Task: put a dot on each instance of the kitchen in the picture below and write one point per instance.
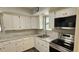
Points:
(37, 29)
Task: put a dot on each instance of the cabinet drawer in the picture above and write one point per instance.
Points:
(43, 43)
(44, 49)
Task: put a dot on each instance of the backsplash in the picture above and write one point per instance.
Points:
(50, 33)
(59, 32)
(65, 31)
(17, 32)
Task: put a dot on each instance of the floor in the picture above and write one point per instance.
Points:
(31, 50)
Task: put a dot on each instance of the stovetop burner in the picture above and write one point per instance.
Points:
(63, 44)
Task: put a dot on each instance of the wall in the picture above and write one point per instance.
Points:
(66, 31)
(58, 31)
(17, 10)
(51, 34)
(77, 32)
(14, 33)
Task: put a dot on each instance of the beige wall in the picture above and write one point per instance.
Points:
(77, 33)
(13, 33)
(16, 10)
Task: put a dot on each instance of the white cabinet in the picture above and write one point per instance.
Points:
(41, 45)
(35, 22)
(17, 45)
(24, 22)
(65, 12)
(27, 22)
(24, 44)
(11, 22)
(28, 43)
(8, 47)
(8, 21)
(61, 13)
(21, 22)
(15, 22)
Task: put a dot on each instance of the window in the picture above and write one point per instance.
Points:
(48, 23)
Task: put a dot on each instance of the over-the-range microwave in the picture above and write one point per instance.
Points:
(68, 22)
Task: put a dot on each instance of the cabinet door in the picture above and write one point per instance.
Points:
(28, 43)
(11, 22)
(13, 46)
(19, 45)
(35, 22)
(9, 46)
(41, 45)
(27, 22)
(22, 22)
(8, 21)
(37, 44)
(16, 22)
(66, 12)
(6, 46)
(44, 46)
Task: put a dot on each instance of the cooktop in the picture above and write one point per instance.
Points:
(64, 44)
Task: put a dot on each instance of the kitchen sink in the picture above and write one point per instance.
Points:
(43, 36)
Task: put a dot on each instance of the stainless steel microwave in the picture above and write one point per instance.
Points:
(65, 22)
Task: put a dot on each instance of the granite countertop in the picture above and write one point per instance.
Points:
(7, 38)
(15, 37)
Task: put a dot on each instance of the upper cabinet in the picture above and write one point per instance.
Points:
(27, 22)
(65, 12)
(15, 22)
(35, 22)
(8, 22)
(11, 22)
(60, 13)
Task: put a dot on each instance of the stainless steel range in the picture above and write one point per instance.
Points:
(63, 44)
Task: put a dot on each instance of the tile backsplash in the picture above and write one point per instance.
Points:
(17, 32)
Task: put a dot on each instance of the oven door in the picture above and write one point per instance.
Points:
(53, 50)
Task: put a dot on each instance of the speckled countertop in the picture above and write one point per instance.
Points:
(4, 39)
(15, 37)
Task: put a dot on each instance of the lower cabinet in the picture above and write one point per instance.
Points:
(8, 46)
(28, 43)
(41, 45)
(17, 45)
(23, 44)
